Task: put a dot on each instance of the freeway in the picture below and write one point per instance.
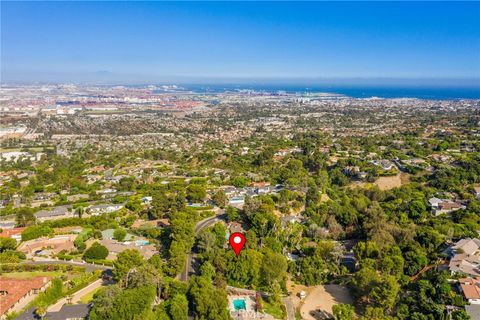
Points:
(205, 223)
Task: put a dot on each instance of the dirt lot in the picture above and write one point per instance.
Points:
(386, 183)
(319, 300)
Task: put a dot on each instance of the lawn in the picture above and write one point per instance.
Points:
(275, 310)
(31, 274)
(89, 296)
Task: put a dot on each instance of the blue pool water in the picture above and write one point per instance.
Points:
(239, 304)
(139, 243)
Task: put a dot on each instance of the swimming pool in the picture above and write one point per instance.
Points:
(140, 243)
(239, 304)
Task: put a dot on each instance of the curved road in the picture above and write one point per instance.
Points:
(205, 223)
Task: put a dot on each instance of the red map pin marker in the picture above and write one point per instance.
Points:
(237, 241)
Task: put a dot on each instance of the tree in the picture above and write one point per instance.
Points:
(80, 211)
(206, 242)
(372, 313)
(274, 268)
(103, 301)
(41, 312)
(384, 294)
(126, 260)
(119, 234)
(196, 193)
(209, 303)
(127, 304)
(232, 213)
(343, 311)
(178, 256)
(178, 307)
(156, 262)
(34, 232)
(25, 217)
(220, 198)
(239, 182)
(7, 244)
(244, 270)
(96, 252)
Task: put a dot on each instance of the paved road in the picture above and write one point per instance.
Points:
(88, 266)
(76, 296)
(290, 308)
(205, 223)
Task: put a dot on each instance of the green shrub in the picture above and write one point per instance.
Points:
(96, 252)
(35, 232)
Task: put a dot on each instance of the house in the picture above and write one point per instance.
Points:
(48, 246)
(476, 191)
(465, 257)
(60, 212)
(263, 190)
(468, 246)
(260, 184)
(442, 206)
(287, 220)
(114, 247)
(284, 152)
(235, 201)
(106, 192)
(104, 208)
(147, 200)
(386, 165)
(470, 288)
(108, 234)
(15, 233)
(77, 197)
(230, 191)
(351, 170)
(235, 227)
(15, 292)
(7, 224)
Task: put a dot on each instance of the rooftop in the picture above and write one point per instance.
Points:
(12, 290)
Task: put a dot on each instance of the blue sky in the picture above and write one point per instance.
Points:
(239, 40)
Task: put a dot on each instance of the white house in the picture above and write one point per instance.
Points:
(104, 208)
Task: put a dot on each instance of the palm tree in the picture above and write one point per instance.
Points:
(80, 211)
(41, 312)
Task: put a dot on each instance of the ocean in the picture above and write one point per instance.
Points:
(419, 92)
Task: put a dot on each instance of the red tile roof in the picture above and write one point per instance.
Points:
(12, 290)
(7, 233)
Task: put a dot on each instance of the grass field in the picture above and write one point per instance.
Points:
(31, 274)
(275, 310)
(89, 296)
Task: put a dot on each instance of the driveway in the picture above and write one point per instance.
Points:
(76, 296)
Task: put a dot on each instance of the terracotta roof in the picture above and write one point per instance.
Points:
(10, 232)
(470, 288)
(12, 290)
(56, 244)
